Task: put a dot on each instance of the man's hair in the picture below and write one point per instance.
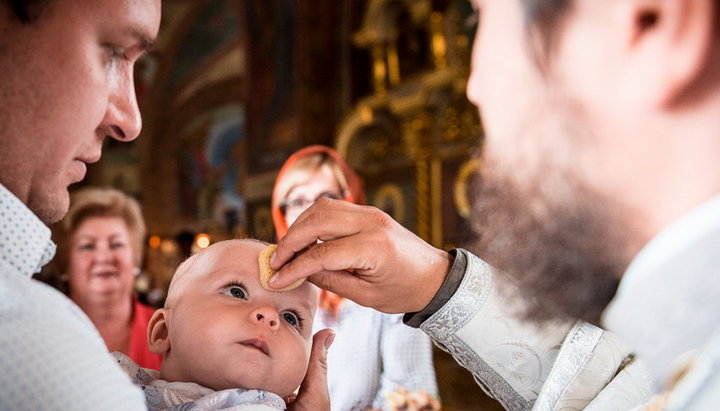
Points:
(27, 11)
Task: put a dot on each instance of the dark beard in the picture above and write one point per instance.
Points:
(566, 257)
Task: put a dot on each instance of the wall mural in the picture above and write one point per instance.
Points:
(214, 26)
(270, 96)
(211, 156)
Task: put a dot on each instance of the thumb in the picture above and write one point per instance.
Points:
(313, 393)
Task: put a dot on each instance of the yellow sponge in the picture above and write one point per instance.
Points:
(266, 272)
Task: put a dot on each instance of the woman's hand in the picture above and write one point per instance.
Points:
(313, 394)
(364, 255)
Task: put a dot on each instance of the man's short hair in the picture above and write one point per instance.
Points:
(27, 11)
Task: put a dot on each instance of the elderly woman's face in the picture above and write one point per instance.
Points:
(101, 259)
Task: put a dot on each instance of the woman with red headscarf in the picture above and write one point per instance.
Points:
(376, 361)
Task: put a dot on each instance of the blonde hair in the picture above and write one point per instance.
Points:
(302, 171)
(101, 202)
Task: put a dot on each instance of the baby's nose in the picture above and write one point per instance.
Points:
(268, 316)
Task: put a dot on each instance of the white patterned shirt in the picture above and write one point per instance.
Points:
(374, 353)
(51, 355)
(184, 396)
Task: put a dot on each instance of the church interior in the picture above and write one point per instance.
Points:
(233, 87)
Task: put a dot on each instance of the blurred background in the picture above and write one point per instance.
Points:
(233, 87)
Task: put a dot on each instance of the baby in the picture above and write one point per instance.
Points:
(225, 340)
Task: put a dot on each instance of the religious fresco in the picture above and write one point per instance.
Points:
(193, 147)
(270, 26)
(214, 26)
(209, 177)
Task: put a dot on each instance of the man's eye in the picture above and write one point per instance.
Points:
(117, 245)
(473, 20)
(115, 52)
(236, 292)
(118, 53)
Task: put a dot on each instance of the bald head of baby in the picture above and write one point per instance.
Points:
(221, 329)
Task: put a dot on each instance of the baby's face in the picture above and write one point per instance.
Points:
(226, 331)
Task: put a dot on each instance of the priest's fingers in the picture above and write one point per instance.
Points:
(325, 220)
(395, 270)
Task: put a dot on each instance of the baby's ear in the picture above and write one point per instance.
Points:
(157, 332)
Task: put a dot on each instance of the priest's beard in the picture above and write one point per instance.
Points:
(565, 252)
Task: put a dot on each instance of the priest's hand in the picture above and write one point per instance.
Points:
(363, 255)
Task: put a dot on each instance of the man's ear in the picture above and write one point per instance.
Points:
(158, 335)
(669, 46)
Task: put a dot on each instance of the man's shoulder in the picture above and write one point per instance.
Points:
(20, 293)
(52, 354)
(31, 308)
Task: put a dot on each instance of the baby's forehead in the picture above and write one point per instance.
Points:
(247, 248)
(241, 254)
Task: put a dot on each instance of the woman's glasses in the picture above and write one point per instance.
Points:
(302, 203)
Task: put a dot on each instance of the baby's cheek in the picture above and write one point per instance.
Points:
(291, 378)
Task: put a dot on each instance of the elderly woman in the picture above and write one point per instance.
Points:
(376, 361)
(100, 243)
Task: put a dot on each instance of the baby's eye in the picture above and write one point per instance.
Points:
(236, 292)
(291, 319)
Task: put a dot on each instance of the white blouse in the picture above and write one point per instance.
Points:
(373, 355)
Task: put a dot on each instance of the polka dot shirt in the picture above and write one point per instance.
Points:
(51, 355)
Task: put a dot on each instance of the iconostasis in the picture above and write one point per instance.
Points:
(233, 87)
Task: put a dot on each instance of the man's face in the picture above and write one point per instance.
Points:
(226, 331)
(67, 83)
(540, 214)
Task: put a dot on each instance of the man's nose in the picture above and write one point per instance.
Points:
(122, 118)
